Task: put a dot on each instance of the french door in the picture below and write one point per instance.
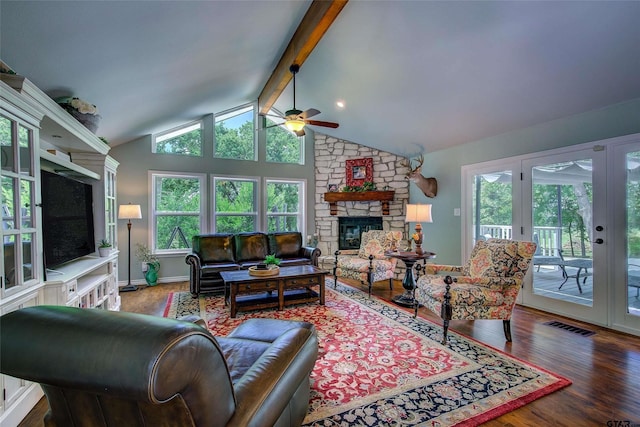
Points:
(564, 202)
(581, 204)
(624, 169)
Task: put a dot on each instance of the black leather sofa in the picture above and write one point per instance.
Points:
(213, 253)
(103, 368)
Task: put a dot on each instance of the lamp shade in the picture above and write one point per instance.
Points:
(294, 125)
(418, 213)
(129, 211)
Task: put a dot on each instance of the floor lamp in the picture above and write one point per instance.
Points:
(129, 212)
(418, 214)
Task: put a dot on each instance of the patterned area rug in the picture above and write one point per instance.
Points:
(378, 366)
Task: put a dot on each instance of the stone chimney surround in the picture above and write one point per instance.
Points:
(388, 174)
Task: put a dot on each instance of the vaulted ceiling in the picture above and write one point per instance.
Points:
(415, 76)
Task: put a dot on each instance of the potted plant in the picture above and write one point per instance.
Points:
(271, 260)
(150, 264)
(104, 248)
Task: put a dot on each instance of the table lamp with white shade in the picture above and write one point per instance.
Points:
(418, 213)
(129, 212)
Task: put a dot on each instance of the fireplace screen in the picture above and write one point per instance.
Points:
(351, 228)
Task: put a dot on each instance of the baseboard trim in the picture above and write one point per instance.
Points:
(142, 282)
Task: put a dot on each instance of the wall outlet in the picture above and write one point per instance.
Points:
(456, 211)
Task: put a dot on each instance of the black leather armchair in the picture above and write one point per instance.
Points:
(114, 369)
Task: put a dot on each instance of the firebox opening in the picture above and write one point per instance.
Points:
(351, 228)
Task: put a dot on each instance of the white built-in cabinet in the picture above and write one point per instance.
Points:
(104, 195)
(85, 283)
(33, 130)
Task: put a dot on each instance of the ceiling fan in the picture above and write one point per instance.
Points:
(294, 119)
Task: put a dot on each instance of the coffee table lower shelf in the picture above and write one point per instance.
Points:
(294, 285)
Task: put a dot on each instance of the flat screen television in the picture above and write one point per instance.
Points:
(67, 219)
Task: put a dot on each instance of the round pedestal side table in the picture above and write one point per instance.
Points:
(407, 299)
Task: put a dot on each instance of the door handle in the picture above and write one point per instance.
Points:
(599, 241)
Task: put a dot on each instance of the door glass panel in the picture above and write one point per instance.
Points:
(9, 262)
(6, 143)
(27, 256)
(633, 233)
(8, 214)
(24, 142)
(492, 206)
(26, 205)
(562, 226)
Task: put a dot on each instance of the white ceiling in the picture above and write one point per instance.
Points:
(416, 76)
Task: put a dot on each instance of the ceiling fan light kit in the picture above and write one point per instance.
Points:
(294, 125)
(294, 119)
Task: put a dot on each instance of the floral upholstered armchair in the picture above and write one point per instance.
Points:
(485, 288)
(369, 264)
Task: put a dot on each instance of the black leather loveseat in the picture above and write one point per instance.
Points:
(213, 253)
(113, 369)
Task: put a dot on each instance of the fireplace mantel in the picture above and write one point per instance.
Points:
(358, 196)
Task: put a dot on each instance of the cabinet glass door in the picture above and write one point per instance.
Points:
(18, 182)
(110, 214)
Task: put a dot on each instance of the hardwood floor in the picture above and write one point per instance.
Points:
(604, 367)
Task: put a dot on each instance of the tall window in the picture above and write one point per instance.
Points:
(283, 146)
(285, 202)
(236, 205)
(185, 140)
(177, 209)
(235, 134)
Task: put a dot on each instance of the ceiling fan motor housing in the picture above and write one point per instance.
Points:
(293, 112)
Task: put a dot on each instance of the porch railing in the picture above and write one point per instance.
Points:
(548, 238)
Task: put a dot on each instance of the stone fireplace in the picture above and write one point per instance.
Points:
(388, 174)
(350, 229)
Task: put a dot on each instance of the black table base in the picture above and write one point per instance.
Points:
(407, 299)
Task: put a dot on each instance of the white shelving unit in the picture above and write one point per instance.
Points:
(55, 163)
(88, 282)
(91, 281)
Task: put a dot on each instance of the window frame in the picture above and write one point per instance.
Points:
(256, 198)
(153, 213)
(302, 202)
(301, 139)
(230, 113)
(176, 130)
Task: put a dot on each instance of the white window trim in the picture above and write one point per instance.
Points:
(302, 197)
(232, 112)
(202, 178)
(258, 206)
(301, 139)
(178, 130)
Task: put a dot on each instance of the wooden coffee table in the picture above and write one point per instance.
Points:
(293, 285)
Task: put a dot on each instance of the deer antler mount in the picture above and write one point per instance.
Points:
(429, 186)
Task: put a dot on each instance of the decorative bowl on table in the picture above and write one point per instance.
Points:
(258, 270)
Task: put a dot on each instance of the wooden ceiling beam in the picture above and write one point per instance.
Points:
(313, 26)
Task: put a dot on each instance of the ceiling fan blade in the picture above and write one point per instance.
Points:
(309, 113)
(321, 123)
